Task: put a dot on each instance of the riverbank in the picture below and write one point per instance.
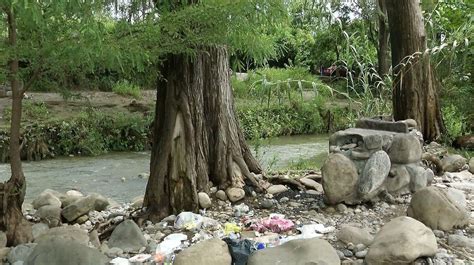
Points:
(335, 234)
(93, 123)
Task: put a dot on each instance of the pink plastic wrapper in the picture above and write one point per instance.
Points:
(275, 224)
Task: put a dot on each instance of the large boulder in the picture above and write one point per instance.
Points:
(339, 178)
(199, 254)
(49, 214)
(398, 180)
(276, 189)
(20, 252)
(204, 200)
(70, 233)
(70, 197)
(438, 208)
(299, 251)
(83, 206)
(59, 251)
(405, 149)
(453, 163)
(128, 237)
(235, 194)
(374, 174)
(350, 234)
(46, 198)
(401, 241)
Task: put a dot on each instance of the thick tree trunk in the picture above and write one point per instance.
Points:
(12, 192)
(197, 137)
(415, 88)
(382, 51)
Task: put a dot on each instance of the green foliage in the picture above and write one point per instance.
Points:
(454, 122)
(37, 111)
(125, 88)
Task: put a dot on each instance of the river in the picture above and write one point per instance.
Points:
(104, 174)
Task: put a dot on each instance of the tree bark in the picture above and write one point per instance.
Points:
(383, 36)
(12, 193)
(197, 138)
(415, 92)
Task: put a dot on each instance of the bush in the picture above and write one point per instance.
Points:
(455, 123)
(125, 88)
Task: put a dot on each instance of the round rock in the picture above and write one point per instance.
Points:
(235, 194)
(339, 178)
(204, 200)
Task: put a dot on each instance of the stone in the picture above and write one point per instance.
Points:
(361, 254)
(438, 209)
(267, 204)
(461, 241)
(220, 194)
(204, 200)
(405, 149)
(471, 165)
(127, 236)
(299, 251)
(410, 122)
(49, 214)
(70, 233)
(373, 176)
(398, 180)
(137, 202)
(351, 234)
(113, 252)
(309, 183)
(216, 249)
(342, 208)
(3, 239)
(373, 142)
(39, 229)
(4, 253)
(401, 241)
(276, 189)
(453, 163)
(235, 194)
(84, 205)
(373, 124)
(46, 198)
(339, 178)
(60, 251)
(70, 197)
(418, 177)
(20, 252)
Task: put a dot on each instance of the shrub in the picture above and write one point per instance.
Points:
(125, 88)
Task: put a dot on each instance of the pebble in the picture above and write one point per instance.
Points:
(438, 233)
(342, 208)
(347, 253)
(361, 254)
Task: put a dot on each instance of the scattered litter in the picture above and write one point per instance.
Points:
(177, 236)
(275, 223)
(188, 221)
(210, 224)
(315, 229)
(120, 261)
(231, 228)
(241, 209)
(140, 258)
(240, 250)
(269, 240)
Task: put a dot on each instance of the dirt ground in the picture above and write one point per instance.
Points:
(103, 101)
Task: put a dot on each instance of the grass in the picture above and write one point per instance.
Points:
(125, 88)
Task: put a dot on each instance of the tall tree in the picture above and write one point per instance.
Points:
(197, 137)
(46, 37)
(383, 36)
(415, 92)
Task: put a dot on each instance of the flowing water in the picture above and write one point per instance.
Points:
(104, 174)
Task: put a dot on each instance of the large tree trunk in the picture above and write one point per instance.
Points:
(197, 137)
(415, 88)
(382, 51)
(12, 192)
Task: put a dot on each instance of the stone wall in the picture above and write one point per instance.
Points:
(375, 158)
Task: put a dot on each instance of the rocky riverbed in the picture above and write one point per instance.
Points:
(286, 224)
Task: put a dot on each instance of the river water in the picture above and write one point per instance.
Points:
(104, 174)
